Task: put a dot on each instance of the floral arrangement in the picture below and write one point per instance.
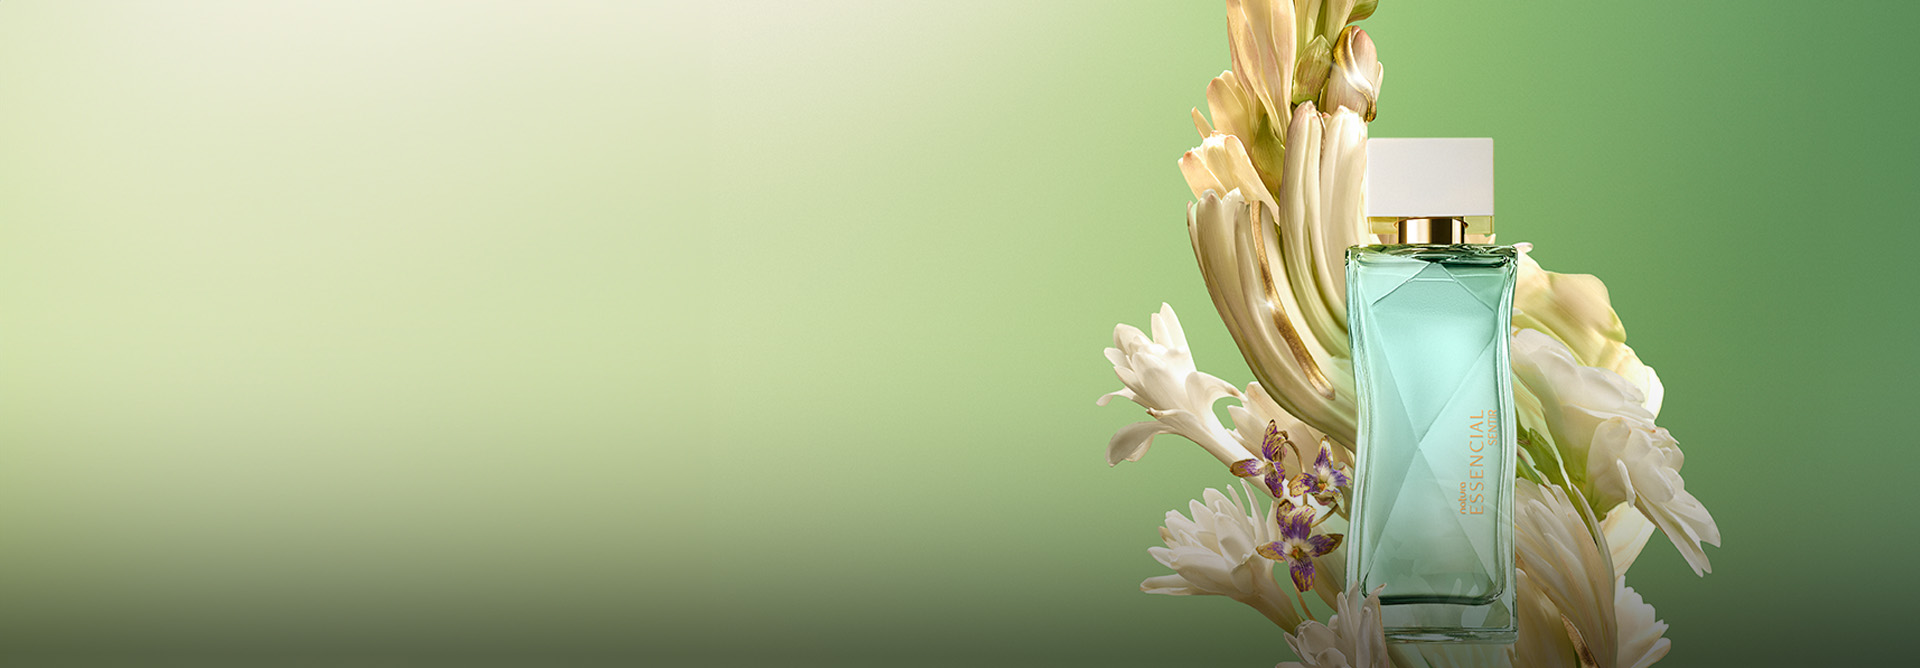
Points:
(1278, 181)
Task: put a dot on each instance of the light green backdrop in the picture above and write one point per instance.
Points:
(360, 333)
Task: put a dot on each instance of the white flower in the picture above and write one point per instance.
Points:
(1212, 554)
(1571, 600)
(1352, 638)
(1598, 418)
(1279, 189)
(1276, 266)
(1575, 309)
(1564, 584)
(1159, 374)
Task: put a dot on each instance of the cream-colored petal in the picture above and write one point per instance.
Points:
(1334, 16)
(1542, 641)
(1351, 637)
(1641, 634)
(1260, 42)
(1343, 172)
(1311, 70)
(1221, 164)
(1688, 525)
(1552, 545)
(1627, 534)
(1362, 9)
(1131, 442)
(1292, 365)
(1168, 585)
(1122, 393)
(1232, 107)
(1576, 309)
(1354, 81)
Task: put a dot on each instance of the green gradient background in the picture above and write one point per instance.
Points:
(375, 333)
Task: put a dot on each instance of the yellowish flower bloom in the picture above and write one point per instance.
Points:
(1600, 424)
(1277, 271)
(1575, 309)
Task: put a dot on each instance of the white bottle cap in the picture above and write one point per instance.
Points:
(1429, 178)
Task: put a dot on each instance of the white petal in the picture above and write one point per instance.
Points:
(1166, 328)
(1169, 585)
(1204, 569)
(1687, 524)
(1131, 442)
(1656, 392)
(1553, 547)
(1627, 534)
(1129, 338)
(1641, 641)
(1204, 390)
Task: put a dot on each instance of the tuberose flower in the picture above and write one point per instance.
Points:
(1214, 553)
(1564, 586)
(1600, 423)
(1352, 638)
(1277, 275)
(1576, 310)
(1158, 374)
(1575, 608)
(1221, 164)
(1272, 248)
(1354, 81)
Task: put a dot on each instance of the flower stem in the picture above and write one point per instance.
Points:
(1271, 602)
(1298, 596)
(1282, 617)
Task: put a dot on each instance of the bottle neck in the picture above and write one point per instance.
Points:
(1431, 231)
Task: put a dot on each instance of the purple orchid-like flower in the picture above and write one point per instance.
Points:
(1267, 466)
(1324, 481)
(1298, 545)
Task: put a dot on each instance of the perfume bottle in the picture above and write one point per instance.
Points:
(1432, 524)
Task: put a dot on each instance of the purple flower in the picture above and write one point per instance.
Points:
(1298, 545)
(1267, 466)
(1324, 481)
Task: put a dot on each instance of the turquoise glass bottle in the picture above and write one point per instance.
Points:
(1432, 524)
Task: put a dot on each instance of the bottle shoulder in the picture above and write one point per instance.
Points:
(1485, 255)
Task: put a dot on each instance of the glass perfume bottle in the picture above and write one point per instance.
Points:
(1432, 525)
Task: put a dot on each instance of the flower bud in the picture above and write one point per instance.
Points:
(1354, 82)
(1310, 72)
